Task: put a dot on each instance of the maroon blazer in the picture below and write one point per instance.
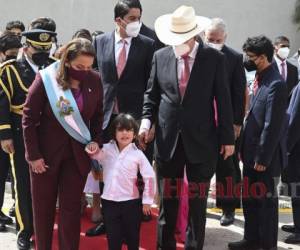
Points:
(45, 138)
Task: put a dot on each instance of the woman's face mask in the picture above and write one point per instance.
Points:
(79, 75)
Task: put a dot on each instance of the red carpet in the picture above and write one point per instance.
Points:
(148, 235)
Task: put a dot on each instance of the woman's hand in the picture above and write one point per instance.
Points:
(147, 209)
(92, 148)
(98, 175)
(38, 166)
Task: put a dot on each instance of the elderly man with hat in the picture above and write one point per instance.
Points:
(185, 80)
(16, 78)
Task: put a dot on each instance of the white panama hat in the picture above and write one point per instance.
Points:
(180, 26)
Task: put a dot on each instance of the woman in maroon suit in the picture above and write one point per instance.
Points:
(62, 113)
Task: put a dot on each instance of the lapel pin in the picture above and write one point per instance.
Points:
(90, 90)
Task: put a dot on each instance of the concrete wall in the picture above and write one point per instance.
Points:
(244, 18)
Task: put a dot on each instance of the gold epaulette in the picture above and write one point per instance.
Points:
(7, 62)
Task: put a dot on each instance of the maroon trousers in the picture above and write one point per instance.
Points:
(65, 181)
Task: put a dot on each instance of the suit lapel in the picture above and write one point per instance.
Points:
(172, 69)
(110, 51)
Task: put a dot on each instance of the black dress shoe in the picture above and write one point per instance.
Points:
(5, 219)
(2, 227)
(243, 245)
(95, 231)
(293, 239)
(12, 211)
(146, 218)
(23, 242)
(227, 219)
(288, 228)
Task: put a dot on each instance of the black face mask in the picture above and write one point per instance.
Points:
(250, 65)
(40, 58)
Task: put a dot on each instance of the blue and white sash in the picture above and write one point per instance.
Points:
(71, 122)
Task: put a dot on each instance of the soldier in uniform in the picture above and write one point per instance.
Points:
(16, 78)
(9, 46)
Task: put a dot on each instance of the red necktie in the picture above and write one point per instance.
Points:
(255, 86)
(121, 59)
(185, 75)
(283, 73)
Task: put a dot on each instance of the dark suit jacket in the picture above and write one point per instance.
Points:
(237, 83)
(146, 31)
(129, 89)
(193, 116)
(293, 138)
(45, 138)
(263, 138)
(292, 76)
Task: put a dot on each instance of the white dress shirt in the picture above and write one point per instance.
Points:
(279, 62)
(146, 123)
(119, 46)
(120, 171)
(34, 67)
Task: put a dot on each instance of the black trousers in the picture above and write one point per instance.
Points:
(4, 170)
(170, 176)
(260, 204)
(228, 175)
(122, 222)
(20, 170)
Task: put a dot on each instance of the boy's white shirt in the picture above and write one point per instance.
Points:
(120, 173)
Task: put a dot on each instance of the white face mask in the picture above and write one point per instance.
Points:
(181, 49)
(283, 53)
(217, 46)
(133, 29)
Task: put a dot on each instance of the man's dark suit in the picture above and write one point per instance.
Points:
(186, 134)
(146, 31)
(228, 171)
(263, 142)
(293, 147)
(129, 89)
(291, 77)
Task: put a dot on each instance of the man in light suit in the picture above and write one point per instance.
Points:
(185, 79)
(228, 171)
(287, 70)
(124, 61)
(263, 149)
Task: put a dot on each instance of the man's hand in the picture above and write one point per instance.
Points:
(143, 139)
(259, 167)
(38, 166)
(8, 146)
(226, 151)
(146, 209)
(237, 131)
(151, 134)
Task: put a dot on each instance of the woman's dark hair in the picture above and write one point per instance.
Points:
(259, 45)
(83, 33)
(15, 25)
(123, 7)
(75, 48)
(124, 121)
(44, 23)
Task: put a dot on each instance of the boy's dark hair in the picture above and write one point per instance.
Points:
(259, 45)
(44, 23)
(281, 39)
(15, 25)
(83, 33)
(124, 121)
(123, 6)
